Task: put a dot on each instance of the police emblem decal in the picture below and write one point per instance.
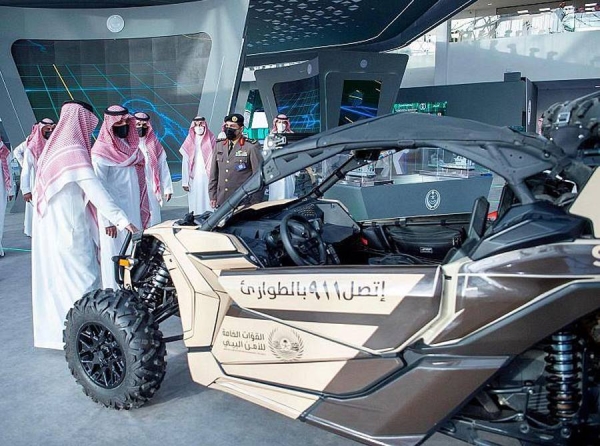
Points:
(433, 199)
(286, 344)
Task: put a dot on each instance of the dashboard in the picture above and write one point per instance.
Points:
(261, 230)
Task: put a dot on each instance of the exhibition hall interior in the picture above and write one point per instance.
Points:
(300, 222)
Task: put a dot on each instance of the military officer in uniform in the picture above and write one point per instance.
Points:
(234, 161)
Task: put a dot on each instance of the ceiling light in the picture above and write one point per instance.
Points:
(523, 11)
(591, 4)
(544, 9)
(115, 23)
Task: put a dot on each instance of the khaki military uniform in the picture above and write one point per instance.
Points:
(231, 167)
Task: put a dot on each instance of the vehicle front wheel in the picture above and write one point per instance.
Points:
(114, 348)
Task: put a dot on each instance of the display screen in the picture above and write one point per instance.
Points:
(299, 100)
(360, 100)
(162, 76)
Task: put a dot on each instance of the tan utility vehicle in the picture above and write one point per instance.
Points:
(385, 330)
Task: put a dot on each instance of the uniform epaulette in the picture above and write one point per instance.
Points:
(252, 141)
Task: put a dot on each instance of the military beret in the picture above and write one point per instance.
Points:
(235, 117)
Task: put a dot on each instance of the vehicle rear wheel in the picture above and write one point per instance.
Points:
(114, 348)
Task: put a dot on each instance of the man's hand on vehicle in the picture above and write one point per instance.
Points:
(132, 228)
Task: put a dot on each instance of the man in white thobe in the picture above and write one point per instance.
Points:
(64, 261)
(158, 176)
(6, 188)
(197, 152)
(119, 165)
(27, 154)
(284, 188)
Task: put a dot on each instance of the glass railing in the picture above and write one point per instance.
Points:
(559, 20)
(422, 46)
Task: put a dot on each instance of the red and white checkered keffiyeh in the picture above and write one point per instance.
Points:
(36, 141)
(67, 155)
(155, 151)
(207, 145)
(4, 152)
(124, 152)
(281, 118)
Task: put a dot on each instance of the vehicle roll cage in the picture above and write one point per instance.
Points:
(513, 155)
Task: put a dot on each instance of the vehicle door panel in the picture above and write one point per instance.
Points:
(323, 321)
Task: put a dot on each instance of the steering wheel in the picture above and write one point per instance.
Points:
(302, 241)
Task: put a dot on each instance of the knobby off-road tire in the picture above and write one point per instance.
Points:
(114, 348)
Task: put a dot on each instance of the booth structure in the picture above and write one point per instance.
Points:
(339, 87)
(106, 56)
(335, 88)
(412, 196)
(511, 102)
(187, 62)
(433, 181)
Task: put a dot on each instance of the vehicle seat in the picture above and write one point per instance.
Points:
(527, 225)
(477, 225)
(426, 241)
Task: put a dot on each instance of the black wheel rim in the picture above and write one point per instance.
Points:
(100, 355)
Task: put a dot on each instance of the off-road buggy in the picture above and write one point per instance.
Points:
(299, 308)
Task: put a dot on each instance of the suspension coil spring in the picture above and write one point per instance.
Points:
(160, 278)
(563, 376)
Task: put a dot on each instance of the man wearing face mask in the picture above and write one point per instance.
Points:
(119, 165)
(197, 153)
(235, 160)
(27, 154)
(284, 188)
(158, 176)
(64, 265)
(281, 124)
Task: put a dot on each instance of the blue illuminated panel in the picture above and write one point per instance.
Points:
(299, 100)
(162, 76)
